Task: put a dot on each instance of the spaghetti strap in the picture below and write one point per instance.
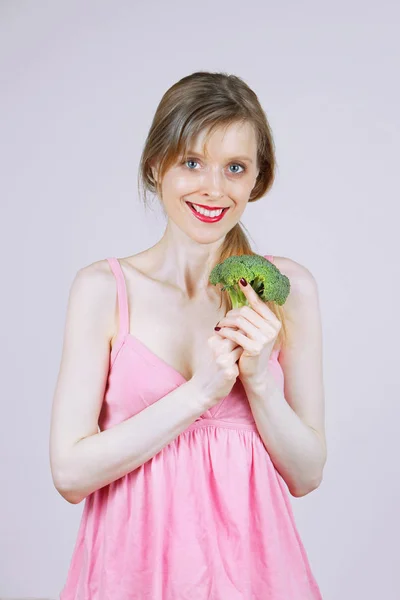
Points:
(123, 309)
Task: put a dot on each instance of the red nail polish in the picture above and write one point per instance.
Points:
(217, 328)
(243, 281)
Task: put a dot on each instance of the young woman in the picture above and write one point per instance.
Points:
(186, 441)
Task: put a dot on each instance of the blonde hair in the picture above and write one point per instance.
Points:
(206, 101)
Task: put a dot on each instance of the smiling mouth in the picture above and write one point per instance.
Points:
(208, 207)
(194, 206)
(206, 218)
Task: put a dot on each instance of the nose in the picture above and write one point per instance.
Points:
(213, 183)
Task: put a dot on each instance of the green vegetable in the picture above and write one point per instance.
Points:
(263, 276)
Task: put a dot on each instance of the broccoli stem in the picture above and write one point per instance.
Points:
(237, 297)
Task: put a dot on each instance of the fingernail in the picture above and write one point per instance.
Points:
(217, 328)
(243, 281)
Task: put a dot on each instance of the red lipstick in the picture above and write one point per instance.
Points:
(208, 207)
(206, 219)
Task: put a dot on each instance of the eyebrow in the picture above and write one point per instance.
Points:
(241, 157)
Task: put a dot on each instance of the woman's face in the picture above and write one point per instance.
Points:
(223, 178)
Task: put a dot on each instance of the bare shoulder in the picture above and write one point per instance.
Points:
(291, 268)
(93, 293)
(94, 280)
(98, 270)
(303, 286)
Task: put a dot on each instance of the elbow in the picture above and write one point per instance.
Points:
(71, 497)
(300, 491)
(69, 494)
(66, 489)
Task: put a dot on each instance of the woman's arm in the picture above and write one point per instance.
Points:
(291, 423)
(82, 458)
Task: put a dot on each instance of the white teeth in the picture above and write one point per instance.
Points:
(207, 213)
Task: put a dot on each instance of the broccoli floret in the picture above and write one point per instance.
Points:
(263, 276)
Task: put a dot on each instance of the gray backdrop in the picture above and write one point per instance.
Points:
(80, 82)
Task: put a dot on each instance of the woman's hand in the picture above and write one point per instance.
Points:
(257, 331)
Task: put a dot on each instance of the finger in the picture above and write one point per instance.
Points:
(242, 325)
(236, 336)
(222, 344)
(245, 315)
(254, 300)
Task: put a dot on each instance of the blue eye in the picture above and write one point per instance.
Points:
(239, 165)
(190, 160)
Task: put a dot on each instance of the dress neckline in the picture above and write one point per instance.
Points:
(152, 356)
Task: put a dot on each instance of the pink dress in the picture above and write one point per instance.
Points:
(207, 518)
